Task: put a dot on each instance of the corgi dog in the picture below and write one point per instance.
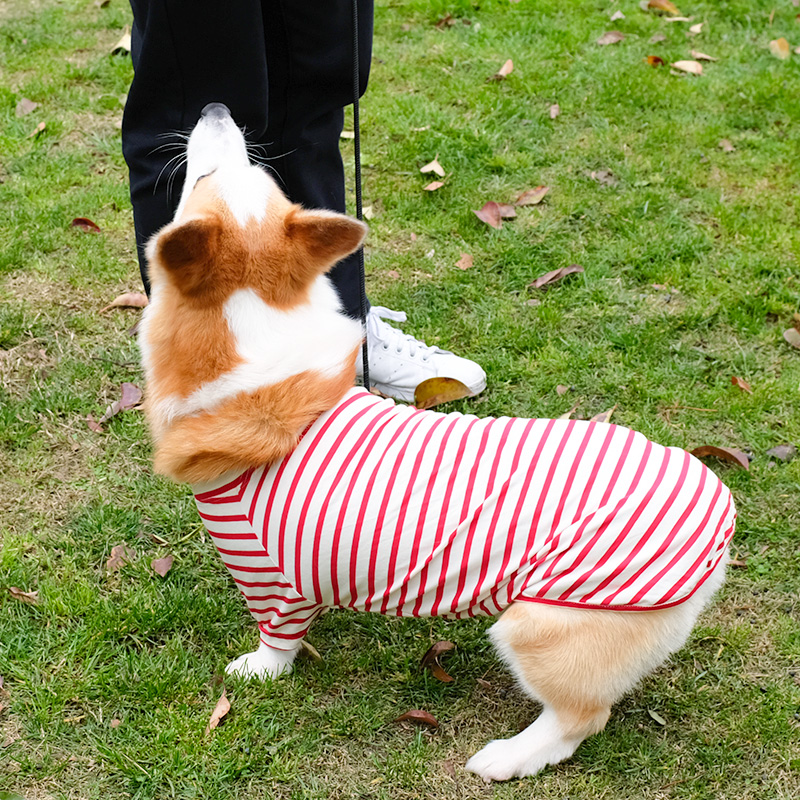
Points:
(596, 547)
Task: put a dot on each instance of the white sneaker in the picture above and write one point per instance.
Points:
(398, 362)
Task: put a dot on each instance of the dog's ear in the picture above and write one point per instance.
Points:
(321, 238)
(187, 251)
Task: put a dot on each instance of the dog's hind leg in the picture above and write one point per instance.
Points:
(577, 663)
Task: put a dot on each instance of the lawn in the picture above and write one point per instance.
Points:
(677, 195)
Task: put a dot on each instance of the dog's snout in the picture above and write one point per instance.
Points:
(217, 110)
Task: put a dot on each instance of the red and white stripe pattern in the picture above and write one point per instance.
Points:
(386, 508)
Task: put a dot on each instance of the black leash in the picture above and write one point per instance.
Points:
(359, 214)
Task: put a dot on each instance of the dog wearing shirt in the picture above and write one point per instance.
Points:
(597, 547)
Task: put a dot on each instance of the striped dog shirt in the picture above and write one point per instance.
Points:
(384, 507)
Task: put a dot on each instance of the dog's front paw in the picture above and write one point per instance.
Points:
(498, 761)
(266, 662)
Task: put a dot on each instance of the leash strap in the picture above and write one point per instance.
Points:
(359, 212)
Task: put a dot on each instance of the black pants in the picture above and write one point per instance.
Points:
(285, 70)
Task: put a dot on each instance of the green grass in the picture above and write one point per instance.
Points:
(691, 277)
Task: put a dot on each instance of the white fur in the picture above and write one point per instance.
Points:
(274, 345)
(266, 662)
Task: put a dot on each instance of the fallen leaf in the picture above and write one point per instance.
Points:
(434, 391)
(724, 453)
(490, 214)
(702, 56)
(692, 67)
(506, 210)
(347, 135)
(783, 452)
(431, 660)
(503, 72)
(37, 130)
(121, 554)
(127, 300)
(663, 5)
(604, 416)
(726, 145)
(484, 683)
(780, 48)
(561, 389)
(93, 425)
(792, 336)
(569, 413)
(447, 21)
(161, 566)
(465, 262)
(222, 707)
(604, 176)
(654, 61)
(367, 212)
(310, 650)
(25, 106)
(735, 562)
(130, 397)
(657, 717)
(695, 29)
(433, 186)
(392, 273)
(26, 597)
(115, 723)
(532, 197)
(85, 224)
(617, 15)
(657, 37)
(741, 384)
(124, 43)
(418, 715)
(434, 166)
(611, 37)
(419, 130)
(556, 275)
(679, 19)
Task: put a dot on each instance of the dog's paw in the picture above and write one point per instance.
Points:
(266, 662)
(499, 761)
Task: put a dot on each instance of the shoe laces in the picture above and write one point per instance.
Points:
(379, 332)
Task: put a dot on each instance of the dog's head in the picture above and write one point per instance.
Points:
(241, 312)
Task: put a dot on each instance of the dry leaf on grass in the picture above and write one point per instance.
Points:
(121, 554)
(465, 262)
(347, 135)
(792, 336)
(435, 391)
(657, 37)
(447, 21)
(85, 224)
(433, 186)
(561, 389)
(604, 416)
(115, 723)
(37, 130)
(569, 413)
(728, 454)
(503, 72)
(310, 650)
(611, 37)
(221, 709)
(25, 106)
(657, 717)
(490, 214)
(434, 166)
(617, 15)
(431, 660)
(783, 452)
(741, 384)
(726, 145)
(127, 300)
(161, 566)
(418, 715)
(654, 61)
(26, 597)
(780, 48)
(131, 396)
(662, 5)
(555, 110)
(695, 29)
(532, 197)
(556, 275)
(604, 176)
(691, 67)
(123, 46)
(702, 56)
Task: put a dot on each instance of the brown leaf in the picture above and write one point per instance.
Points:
(127, 300)
(85, 224)
(555, 110)
(37, 130)
(503, 72)
(561, 389)
(124, 43)
(783, 452)
(26, 597)
(741, 384)
(434, 391)
(726, 145)
(465, 262)
(654, 61)
(438, 672)
(735, 562)
(25, 106)
(604, 416)
(310, 650)
(490, 214)
(418, 715)
(434, 651)
(93, 425)
(724, 453)
(433, 186)
(121, 554)
(792, 336)
(702, 56)
(532, 197)
(506, 210)
(663, 5)
(604, 176)
(447, 21)
(692, 67)
(556, 275)
(434, 166)
(611, 37)
(569, 413)
(484, 683)
(161, 566)
(780, 48)
(115, 723)
(657, 37)
(131, 397)
(222, 707)
(392, 273)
